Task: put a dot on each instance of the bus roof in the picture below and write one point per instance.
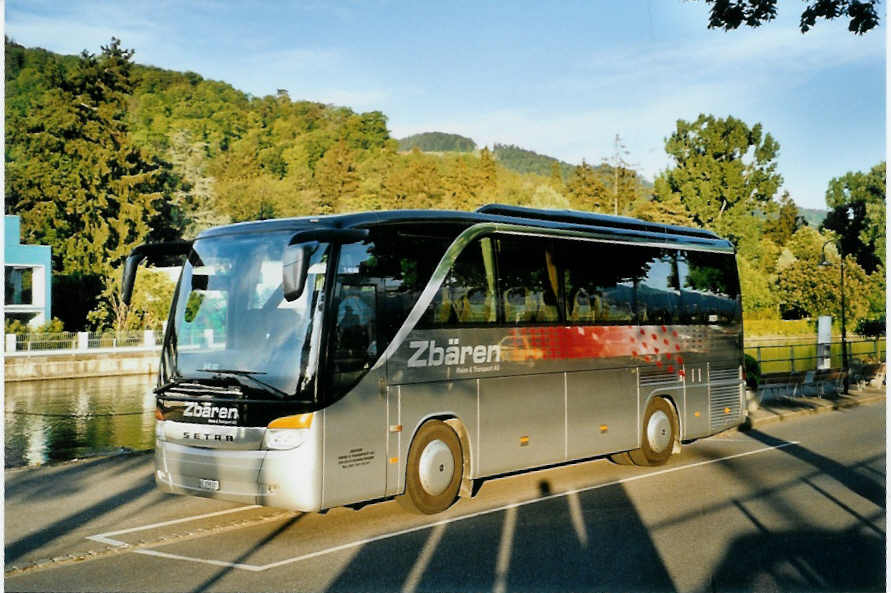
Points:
(569, 220)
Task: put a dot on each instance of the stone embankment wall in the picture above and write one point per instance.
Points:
(77, 365)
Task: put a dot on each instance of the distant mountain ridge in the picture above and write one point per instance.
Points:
(510, 156)
(437, 142)
(813, 216)
(527, 161)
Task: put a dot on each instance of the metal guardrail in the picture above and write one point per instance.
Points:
(803, 356)
(73, 342)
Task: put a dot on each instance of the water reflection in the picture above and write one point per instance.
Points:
(61, 419)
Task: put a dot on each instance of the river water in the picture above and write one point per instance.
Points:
(62, 419)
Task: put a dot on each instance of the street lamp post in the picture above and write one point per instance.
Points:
(844, 336)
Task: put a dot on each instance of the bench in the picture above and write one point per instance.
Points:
(863, 373)
(822, 383)
(777, 385)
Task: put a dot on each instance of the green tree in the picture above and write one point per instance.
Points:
(413, 181)
(77, 180)
(623, 188)
(857, 200)
(586, 189)
(149, 305)
(461, 188)
(788, 220)
(730, 14)
(806, 288)
(724, 172)
(336, 177)
(556, 177)
(488, 171)
(547, 197)
(667, 210)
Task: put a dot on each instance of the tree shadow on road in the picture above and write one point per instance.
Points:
(247, 554)
(802, 560)
(859, 483)
(807, 558)
(590, 541)
(32, 541)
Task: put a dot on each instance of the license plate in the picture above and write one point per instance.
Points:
(210, 484)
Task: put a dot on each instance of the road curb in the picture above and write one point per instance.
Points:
(820, 406)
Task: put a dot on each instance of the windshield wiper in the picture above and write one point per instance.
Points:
(249, 375)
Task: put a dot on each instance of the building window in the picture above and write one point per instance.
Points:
(19, 285)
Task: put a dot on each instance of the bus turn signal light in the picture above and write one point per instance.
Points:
(298, 421)
(159, 415)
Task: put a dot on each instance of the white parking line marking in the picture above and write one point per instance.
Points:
(385, 536)
(105, 539)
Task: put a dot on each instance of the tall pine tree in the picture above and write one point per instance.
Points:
(79, 183)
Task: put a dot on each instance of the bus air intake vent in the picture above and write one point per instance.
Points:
(657, 376)
(725, 405)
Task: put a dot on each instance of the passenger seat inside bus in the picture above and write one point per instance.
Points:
(476, 307)
(519, 305)
(582, 309)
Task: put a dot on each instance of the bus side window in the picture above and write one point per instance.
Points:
(709, 287)
(598, 281)
(529, 281)
(658, 293)
(467, 294)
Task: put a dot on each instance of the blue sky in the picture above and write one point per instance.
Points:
(559, 78)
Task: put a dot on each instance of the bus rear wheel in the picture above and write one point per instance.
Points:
(660, 431)
(434, 468)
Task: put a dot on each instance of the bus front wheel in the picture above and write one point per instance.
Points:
(434, 468)
(659, 434)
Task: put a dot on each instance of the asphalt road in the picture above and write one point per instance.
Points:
(796, 505)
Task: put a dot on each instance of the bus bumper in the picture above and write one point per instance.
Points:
(285, 479)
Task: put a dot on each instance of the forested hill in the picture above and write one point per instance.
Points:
(103, 154)
(813, 216)
(437, 142)
(527, 161)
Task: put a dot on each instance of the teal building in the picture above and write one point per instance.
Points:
(27, 274)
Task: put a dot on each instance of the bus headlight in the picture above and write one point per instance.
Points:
(287, 432)
(283, 438)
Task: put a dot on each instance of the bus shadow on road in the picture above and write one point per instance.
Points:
(590, 541)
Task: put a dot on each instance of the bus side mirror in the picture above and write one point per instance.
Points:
(294, 271)
(129, 279)
(151, 251)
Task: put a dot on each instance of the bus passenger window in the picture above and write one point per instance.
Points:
(658, 294)
(529, 281)
(709, 287)
(598, 281)
(467, 295)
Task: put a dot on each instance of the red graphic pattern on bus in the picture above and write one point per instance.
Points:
(660, 346)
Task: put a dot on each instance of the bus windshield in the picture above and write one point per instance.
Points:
(231, 323)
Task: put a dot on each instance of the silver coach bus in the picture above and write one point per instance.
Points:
(316, 362)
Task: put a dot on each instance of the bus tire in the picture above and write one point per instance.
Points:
(658, 435)
(434, 468)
